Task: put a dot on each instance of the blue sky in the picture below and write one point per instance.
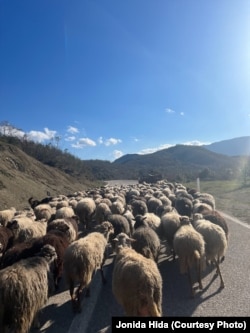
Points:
(115, 77)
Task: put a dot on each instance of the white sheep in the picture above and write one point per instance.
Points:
(82, 259)
(68, 225)
(27, 231)
(43, 211)
(65, 211)
(205, 198)
(215, 241)
(101, 212)
(85, 210)
(6, 215)
(189, 246)
(24, 290)
(136, 281)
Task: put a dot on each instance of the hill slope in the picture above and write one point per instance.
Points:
(22, 176)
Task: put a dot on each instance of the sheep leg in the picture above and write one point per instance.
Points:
(76, 302)
(199, 275)
(71, 289)
(102, 272)
(87, 292)
(190, 282)
(36, 321)
(222, 284)
(102, 276)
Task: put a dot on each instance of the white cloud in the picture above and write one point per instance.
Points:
(117, 154)
(135, 139)
(72, 130)
(111, 141)
(12, 131)
(168, 110)
(100, 140)
(70, 138)
(41, 136)
(152, 150)
(196, 143)
(84, 142)
(167, 145)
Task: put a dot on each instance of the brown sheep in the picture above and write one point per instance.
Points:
(24, 290)
(136, 281)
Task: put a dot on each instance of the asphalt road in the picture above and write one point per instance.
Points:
(98, 309)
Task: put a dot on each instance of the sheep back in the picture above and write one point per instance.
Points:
(24, 289)
(137, 284)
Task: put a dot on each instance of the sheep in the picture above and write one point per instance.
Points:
(217, 218)
(6, 215)
(68, 225)
(153, 220)
(6, 239)
(34, 202)
(200, 207)
(139, 206)
(120, 224)
(189, 246)
(129, 216)
(117, 207)
(184, 205)
(170, 223)
(81, 260)
(65, 211)
(43, 211)
(33, 229)
(136, 281)
(17, 252)
(153, 203)
(132, 193)
(161, 210)
(85, 210)
(147, 242)
(31, 247)
(215, 241)
(205, 198)
(62, 204)
(24, 290)
(101, 212)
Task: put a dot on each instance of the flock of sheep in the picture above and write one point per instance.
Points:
(72, 236)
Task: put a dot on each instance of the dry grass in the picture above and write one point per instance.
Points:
(22, 176)
(231, 197)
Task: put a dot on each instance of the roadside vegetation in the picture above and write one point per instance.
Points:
(232, 196)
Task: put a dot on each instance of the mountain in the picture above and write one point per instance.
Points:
(29, 169)
(181, 161)
(231, 147)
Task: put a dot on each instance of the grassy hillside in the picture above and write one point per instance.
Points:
(22, 176)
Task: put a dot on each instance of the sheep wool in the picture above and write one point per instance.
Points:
(24, 290)
(136, 282)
